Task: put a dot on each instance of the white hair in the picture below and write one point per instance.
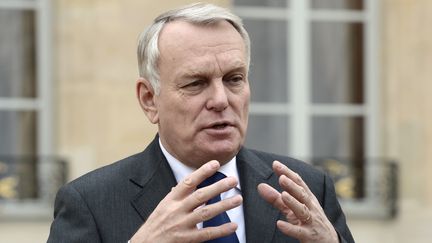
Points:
(197, 13)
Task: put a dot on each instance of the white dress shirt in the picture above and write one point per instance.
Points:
(236, 215)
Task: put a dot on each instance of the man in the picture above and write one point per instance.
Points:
(194, 84)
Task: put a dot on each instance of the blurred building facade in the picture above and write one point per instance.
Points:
(332, 80)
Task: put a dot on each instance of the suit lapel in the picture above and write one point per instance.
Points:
(260, 217)
(155, 177)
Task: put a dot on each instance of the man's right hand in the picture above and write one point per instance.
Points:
(176, 216)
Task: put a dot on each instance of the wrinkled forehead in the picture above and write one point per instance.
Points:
(180, 41)
(182, 35)
(181, 28)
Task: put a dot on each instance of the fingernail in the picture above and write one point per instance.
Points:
(284, 180)
(187, 181)
(237, 200)
(277, 164)
(285, 196)
(232, 226)
(214, 164)
(232, 182)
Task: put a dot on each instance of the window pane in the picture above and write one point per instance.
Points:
(268, 133)
(18, 178)
(337, 146)
(17, 53)
(337, 4)
(18, 133)
(263, 3)
(268, 74)
(337, 137)
(337, 63)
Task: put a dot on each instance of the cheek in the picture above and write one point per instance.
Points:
(242, 110)
(183, 112)
(246, 111)
(245, 103)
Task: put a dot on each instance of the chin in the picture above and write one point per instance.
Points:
(223, 154)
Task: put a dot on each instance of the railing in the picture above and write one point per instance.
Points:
(366, 188)
(28, 186)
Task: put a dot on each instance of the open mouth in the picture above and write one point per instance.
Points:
(220, 126)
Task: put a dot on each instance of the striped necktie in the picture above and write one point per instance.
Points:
(220, 218)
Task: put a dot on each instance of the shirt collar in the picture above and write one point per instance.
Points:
(181, 170)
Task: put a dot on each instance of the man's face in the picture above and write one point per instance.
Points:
(202, 108)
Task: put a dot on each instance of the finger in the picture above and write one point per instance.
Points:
(298, 192)
(292, 230)
(273, 197)
(210, 233)
(282, 169)
(209, 211)
(202, 195)
(300, 210)
(190, 183)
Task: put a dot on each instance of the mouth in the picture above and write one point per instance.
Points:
(221, 129)
(219, 125)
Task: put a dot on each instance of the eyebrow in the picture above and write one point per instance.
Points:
(193, 72)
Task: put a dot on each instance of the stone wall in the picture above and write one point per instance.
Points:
(407, 93)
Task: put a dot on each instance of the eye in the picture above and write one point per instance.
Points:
(235, 79)
(195, 85)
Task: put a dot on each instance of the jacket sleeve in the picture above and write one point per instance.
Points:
(334, 212)
(73, 220)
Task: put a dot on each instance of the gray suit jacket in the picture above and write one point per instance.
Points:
(111, 203)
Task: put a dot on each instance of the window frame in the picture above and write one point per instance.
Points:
(42, 105)
(300, 108)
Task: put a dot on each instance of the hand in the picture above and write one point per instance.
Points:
(306, 220)
(176, 216)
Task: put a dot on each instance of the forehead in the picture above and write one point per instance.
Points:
(180, 41)
(185, 31)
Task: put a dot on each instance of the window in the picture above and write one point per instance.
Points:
(314, 84)
(25, 104)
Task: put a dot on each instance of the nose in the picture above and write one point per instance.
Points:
(217, 96)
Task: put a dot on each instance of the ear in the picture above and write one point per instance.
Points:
(146, 97)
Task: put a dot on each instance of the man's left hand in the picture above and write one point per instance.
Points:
(306, 220)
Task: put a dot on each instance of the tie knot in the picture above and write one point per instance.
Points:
(212, 179)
